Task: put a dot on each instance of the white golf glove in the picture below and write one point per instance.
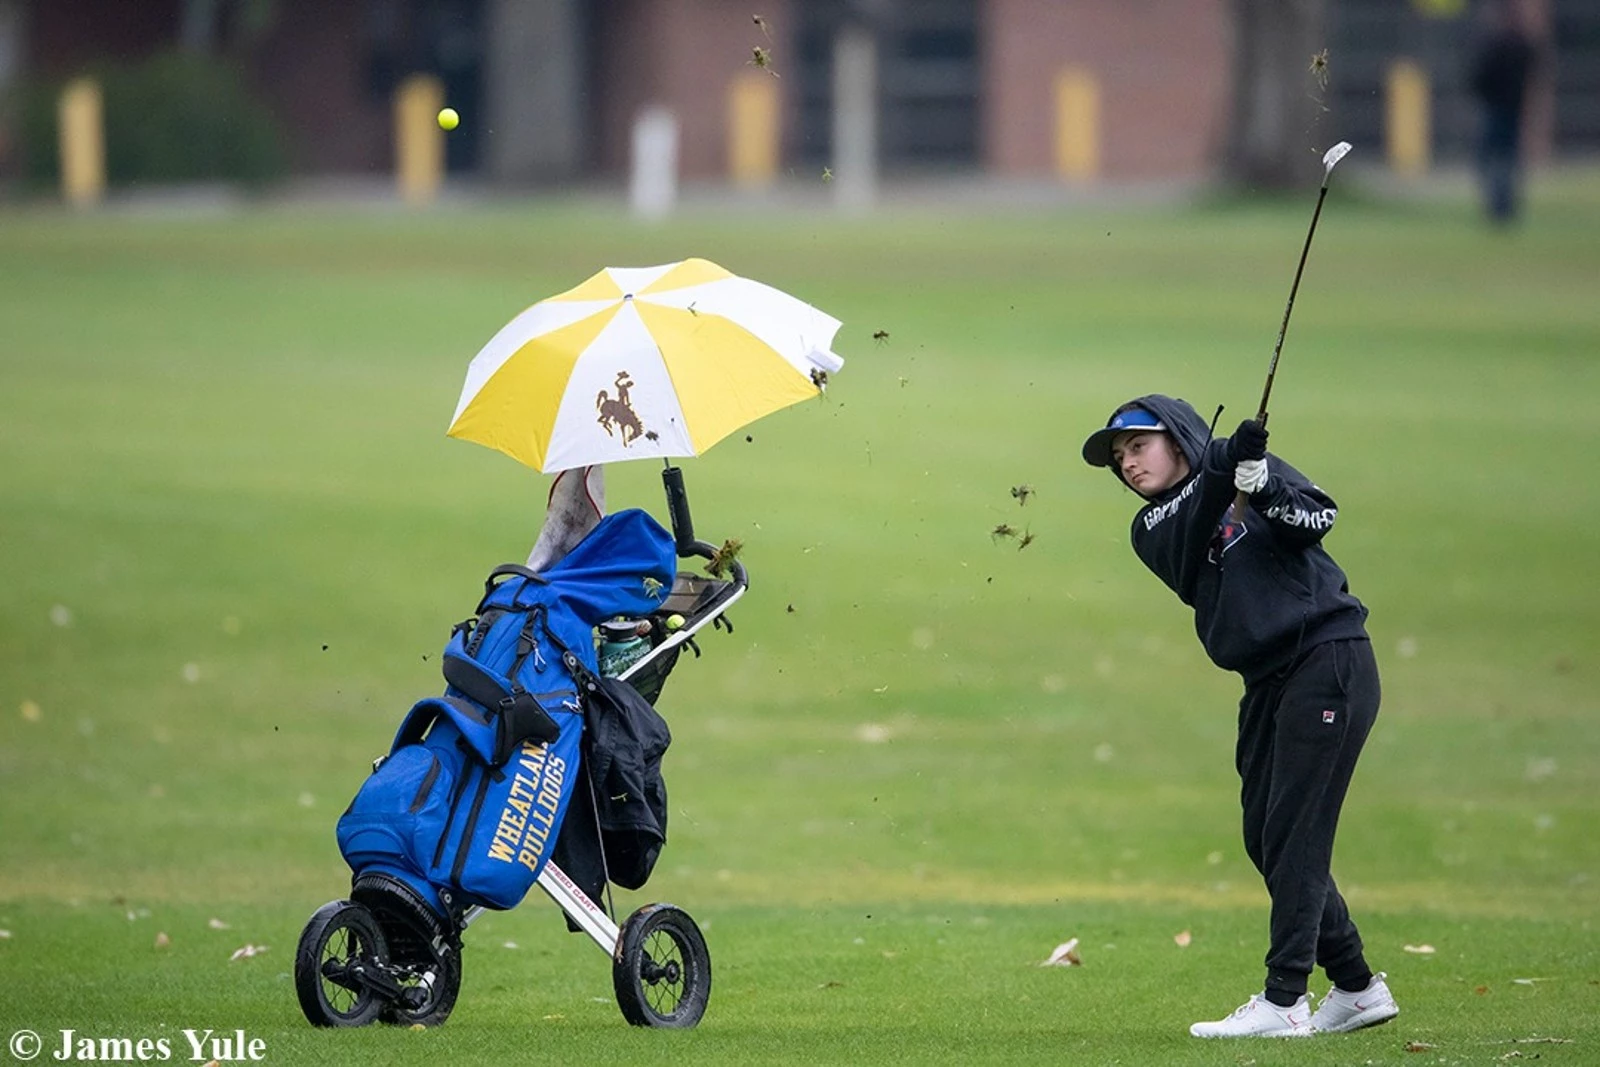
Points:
(1250, 476)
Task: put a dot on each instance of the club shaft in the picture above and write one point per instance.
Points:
(1283, 329)
(1241, 498)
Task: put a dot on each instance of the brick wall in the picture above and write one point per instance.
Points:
(62, 37)
(1162, 66)
(312, 70)
(683, 54)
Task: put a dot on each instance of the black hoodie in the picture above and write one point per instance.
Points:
(1262, 592)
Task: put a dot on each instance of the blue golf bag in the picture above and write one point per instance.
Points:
(466, 807)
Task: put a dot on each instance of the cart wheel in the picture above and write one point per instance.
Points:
(427, 990)
(340, 939)
(662, 971)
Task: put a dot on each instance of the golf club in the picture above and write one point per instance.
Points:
(1329, 160)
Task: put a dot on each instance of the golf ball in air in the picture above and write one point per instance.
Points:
(448, 119)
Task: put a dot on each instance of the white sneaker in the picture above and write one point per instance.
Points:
(1259, 1017)
(1341, 1012)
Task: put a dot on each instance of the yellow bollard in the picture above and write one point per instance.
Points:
(83, 143)
(418, 140)
(1408, 131)
(753, 129)
(1077, 124)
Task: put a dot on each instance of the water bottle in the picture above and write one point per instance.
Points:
(623, 642)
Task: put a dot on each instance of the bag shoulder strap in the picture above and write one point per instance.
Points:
(508, 570)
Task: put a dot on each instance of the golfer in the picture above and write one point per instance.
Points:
(1271, 604)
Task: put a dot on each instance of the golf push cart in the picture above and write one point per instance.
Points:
(391, 951)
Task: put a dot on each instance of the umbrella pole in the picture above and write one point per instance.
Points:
(678, 509)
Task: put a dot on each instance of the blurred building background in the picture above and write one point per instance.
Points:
(1116, 90)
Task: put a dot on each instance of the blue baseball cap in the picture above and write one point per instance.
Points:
(1097, 449)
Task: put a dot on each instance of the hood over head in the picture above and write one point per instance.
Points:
(1153, 412)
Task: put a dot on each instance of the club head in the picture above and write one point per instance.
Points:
(1333, 155)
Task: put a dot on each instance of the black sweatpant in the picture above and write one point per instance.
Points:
(1299, 736)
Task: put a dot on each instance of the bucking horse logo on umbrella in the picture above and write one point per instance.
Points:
(619, 412)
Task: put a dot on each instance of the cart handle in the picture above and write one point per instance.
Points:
(683, 525)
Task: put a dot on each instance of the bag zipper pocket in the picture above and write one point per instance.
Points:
(465, 848)
(426, 787)
(455, 802)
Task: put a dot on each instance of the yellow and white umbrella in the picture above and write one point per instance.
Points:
(642, 362)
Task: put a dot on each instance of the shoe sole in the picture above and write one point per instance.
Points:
(1307, 1032)
(1370, 1017)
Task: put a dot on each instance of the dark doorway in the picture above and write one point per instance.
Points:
(928, 81)
(440, 37)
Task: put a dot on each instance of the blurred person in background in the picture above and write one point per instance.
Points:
(1502, 67)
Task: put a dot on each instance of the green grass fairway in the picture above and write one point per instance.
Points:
(233, 539)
